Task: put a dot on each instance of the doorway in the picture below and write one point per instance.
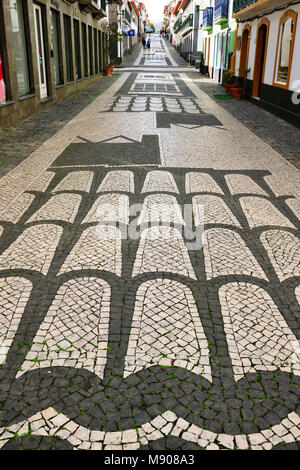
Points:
(39, 34)
(244, 51)
(208, 55)
(260, 57)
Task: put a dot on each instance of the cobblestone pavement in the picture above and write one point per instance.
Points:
(150, 285)
(279, 134)
(19, 141)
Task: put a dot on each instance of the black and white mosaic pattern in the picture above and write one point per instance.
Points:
(152, 341)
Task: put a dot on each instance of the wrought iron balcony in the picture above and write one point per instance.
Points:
(187, 22)
(221, 11)
(177, 25)
(127, 16)
(208, 18)
(240, 4)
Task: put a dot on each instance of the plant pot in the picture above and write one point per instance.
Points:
(227, 87)
(236, 93)
(107, 70)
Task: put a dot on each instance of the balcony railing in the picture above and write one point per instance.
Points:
(208, 17)
(221, 9)
(187, 22)
(177, 25)
(240, 4)
(127, 16)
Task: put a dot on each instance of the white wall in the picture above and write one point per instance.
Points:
(274, 19)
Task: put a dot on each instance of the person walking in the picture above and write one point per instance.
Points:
(144, 42)
(148, 44)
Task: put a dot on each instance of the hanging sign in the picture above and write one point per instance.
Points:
(131, 32)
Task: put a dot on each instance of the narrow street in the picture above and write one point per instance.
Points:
(150, 282)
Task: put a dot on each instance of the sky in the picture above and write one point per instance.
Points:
(155, 9)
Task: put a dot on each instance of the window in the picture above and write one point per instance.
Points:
(219, 50)
(20, 47)
(68, 46)
(285, 46)
(85, 50)
(2, 81)
(40, 50)
(91, 50)
(100, 51)
(3, 61)
(77, 49)
(96, 50)
(101, 4)
(55, 31)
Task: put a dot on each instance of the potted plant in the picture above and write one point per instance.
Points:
(237, 89)
(227, 80)
(113, 37)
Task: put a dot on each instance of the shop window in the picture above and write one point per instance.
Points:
(68, 46)
(91, 50)
(2, 81)
(3, 61)
(85, 50)
(100, 47)
(285, 46)
(77, 49)
(100, 51)
(96, 50)
(55, 31)
(40, 50)
(20, 46)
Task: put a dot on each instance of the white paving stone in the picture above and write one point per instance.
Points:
(75, 329)
(162, 249)
(257, 334)
(283, 249)
(225, 252)
(180, 334)
(34, 249)
(99, 247)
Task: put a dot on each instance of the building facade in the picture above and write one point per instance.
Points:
(183, 28)
(259, 40)
(216, 36)
(203, 28)
(48, 50)
(268, 47)
(125, 16)
(169, 20)
(186, 28)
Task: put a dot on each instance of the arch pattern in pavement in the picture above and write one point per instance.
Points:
(132, 327)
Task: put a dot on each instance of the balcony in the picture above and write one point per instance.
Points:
(221, 12)
(91, 6)
(248, 9)
(187, 22)
(241, 4)
(177, 25)
(208, 19)
(127, 16)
